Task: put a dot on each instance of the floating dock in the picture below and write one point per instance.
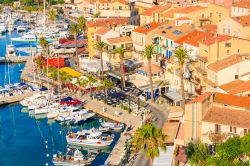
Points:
(16, 98)
(14, 59)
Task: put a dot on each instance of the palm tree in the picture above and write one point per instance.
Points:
(150, 139)
(100, 47)
(148, 54)
(44, 44)
(121, 51)
(64, 77)
(107, 84)
(74, 29)
(82, 24)
(91, 80)
(181, 55)
(52, 15)
(82, 82)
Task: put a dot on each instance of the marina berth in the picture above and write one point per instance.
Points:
(91, 137)
(73, 157)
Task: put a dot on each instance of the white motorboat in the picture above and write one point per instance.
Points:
(11, 25)
(40, 103)
(67, 116)
(26, 102)
(25, 38)
(91, 137)
(79, 119)
(112, 126)
(10, 51)
(74, 157)
(47, 109)
(22, 28)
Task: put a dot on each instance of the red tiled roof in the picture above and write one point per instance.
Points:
(201, 98)
(155, 69)
(243, 87)
(210, 28)
(233, 100)
(156, 9)
(242, 4)
(193, 38)
(229, 117)
(119, 39)
(231, 85)
(243, 20)
(224, 63)
(55, 62)
(107, 22)
(102, 31)
(219, 38)
(142, 29)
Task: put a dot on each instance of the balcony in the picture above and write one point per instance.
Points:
(204, 19)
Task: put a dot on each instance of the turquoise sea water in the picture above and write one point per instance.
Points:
(23, 138)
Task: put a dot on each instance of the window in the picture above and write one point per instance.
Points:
(236, 77)
(113, 46)
(231, 129)
(122, 46)
(238, 51)
(234, 130)
(211, 14)
(217, 129)
(227, 52)
(245, 131)
(171, 43)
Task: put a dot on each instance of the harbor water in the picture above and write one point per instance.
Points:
(31, 141)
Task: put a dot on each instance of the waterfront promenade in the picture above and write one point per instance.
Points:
(116, 114)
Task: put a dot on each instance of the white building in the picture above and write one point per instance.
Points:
(241, 8)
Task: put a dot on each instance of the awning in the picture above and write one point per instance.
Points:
(154, 69)
(55, 62)
(71, 72)
(174, 96)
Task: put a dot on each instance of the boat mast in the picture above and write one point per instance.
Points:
(44, 13)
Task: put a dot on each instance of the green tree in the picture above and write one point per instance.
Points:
(60, 11)
(100, 47)
(44, 44)
(148, 54)
(52, 15)
(107, 84)
(64, 77)
(97, 14)
(82, 23)
(149, 139)
(82, 82)
(181, 55)
(39, 62)
(121, 52)
(91, 80)
(74, 29)
(245, 144)
(61, 2)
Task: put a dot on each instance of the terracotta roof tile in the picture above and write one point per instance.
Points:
(107, 22)
(243, 87)
(102, 31)
(243, 20)
(242, 4)
(229, 117)
(219, 38)
(119, 39)
(155, 68)
(193, 38)
(233, 100)
(201, 98)
(155, 9)
(142, 29)
(170, 31)
(231, 85)
(225, 63)
(211, 28)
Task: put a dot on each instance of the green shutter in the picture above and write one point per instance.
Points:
(166, 42)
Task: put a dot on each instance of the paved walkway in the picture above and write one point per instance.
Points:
(117, 114)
